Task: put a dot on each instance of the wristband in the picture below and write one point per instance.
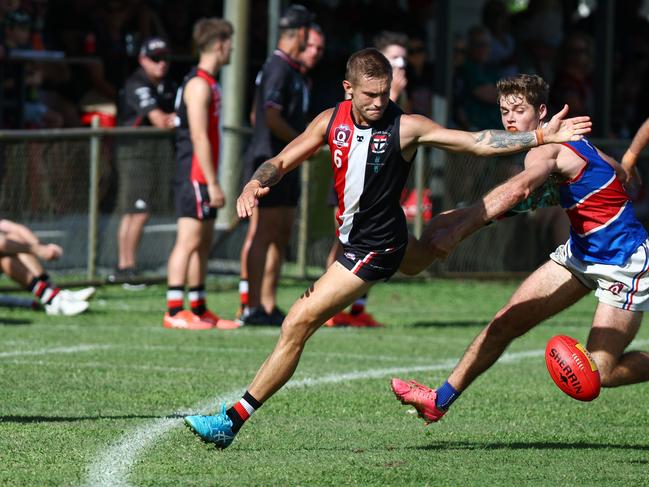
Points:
(539, 136)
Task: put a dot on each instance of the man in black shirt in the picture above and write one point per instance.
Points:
(282, 102)
(146, 100)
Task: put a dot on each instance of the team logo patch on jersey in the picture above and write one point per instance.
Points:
(616, 288)
(342, 134)
(379, 142)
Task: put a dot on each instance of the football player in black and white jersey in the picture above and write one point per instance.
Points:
(372, 144)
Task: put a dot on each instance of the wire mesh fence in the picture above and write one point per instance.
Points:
(46, 184)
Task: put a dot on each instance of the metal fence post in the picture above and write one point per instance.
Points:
(419, 189)
(93, 200)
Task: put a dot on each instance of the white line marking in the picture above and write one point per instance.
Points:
(48, 351)
(113, 465)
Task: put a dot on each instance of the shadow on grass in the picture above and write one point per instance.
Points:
(14, 321)
(532, 445)
(446, 324)
(66, 419)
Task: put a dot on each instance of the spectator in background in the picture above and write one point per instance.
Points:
(394, 46)
(308, 59)
(495, 17)
(196, 185)
(147, 99)
(20, 254)
(479, 81)
(458, 115)
(419, 74)
(281, 107)
(36, 114)
(573, 83)
(538, 31)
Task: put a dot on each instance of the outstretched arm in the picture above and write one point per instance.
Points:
(448, 229)
(418, 130)
(639, 142)
(271, 171)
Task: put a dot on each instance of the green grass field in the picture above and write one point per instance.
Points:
(98, 400)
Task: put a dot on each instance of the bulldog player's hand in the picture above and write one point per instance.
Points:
(249, 198)
(559, 130)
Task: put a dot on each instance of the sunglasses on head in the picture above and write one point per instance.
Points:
(156, 58)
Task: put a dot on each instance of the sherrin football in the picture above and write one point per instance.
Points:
(572, 368)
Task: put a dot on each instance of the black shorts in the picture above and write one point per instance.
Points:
(284, 193)
(144, 170)
(137, 182)
(372, 265)
(192, 200)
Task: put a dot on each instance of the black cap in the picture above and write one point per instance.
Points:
(296, 16)
(152, 46)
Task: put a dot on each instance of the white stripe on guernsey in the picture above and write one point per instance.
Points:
(113, 465)
(601, 227)
(354, 179)
(48, 351)
(597, 190)
(246, 405)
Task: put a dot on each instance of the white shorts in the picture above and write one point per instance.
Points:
(622, 286)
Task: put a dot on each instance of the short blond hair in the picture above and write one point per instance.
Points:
(368, 63)
(207, 31)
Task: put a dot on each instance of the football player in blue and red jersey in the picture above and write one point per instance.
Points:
(607, 252)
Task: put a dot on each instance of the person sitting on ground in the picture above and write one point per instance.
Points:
(20, 251)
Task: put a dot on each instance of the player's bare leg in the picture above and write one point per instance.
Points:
(272, 271)
(335, 290)
(422, 252)
(184, 267)
(550, 289)
(273, 228)
(128, 238)
(612, 331)
(547, 291)
(187, 242)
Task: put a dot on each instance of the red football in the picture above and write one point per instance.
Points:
(572, 368)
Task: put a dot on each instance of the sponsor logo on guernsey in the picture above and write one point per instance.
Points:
(379, 142)
(568, 377)
(616, 288)
(350, 256)
(342, 134)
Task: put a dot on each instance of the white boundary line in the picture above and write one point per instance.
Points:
(113, 465)
(48, 351)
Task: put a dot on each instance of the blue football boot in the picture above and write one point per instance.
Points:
(215, 429)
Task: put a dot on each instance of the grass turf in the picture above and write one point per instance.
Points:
(98, 399)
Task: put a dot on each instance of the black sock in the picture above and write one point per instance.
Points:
(241, 411)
